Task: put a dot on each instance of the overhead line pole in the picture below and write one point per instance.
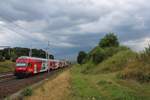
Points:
(48, 49)
(48, 56)
(30, 52)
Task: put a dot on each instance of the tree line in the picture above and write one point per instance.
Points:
(14, 53)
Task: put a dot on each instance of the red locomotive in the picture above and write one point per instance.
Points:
(26, 66)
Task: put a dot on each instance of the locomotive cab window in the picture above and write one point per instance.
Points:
(21, 64)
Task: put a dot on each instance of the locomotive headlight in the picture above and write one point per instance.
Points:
(30, 70)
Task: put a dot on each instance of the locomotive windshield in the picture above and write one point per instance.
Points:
(21, 64)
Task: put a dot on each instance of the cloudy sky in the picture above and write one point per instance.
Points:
(73, 25)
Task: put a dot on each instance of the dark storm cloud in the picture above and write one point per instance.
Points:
(73, 25)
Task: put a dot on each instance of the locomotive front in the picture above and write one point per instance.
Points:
(21, 68)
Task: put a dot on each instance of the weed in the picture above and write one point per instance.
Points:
(27, 92)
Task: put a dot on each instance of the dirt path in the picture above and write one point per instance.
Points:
(56, 89)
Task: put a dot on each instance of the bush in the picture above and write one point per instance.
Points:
(144, 55)
(98, 55)
(147, 50)
(115, 63)
(110, 51)
(108, 46)
(27, 92)
(110, 40)
(81, 57)
(136, 70)
(13, 59)
(2, 58)
(86, 68)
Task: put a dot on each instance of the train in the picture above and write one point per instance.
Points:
(27, 66)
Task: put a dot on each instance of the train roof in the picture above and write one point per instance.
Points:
(36, 58)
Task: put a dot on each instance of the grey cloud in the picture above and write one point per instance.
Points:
(71, 25)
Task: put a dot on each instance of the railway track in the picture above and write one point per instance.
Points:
(9, 84)
(6, 76)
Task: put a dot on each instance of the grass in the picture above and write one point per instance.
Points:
(116, 78)
(75, 84)
(82, 89)
(106, 87)
(55, 88)
(137, 70)
(124, 76)
(6, 66)
(116, 62)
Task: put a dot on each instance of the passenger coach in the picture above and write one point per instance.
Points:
(26, 66)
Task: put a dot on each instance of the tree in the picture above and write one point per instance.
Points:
(81, 56)
(2, 58)
(51, 56)
(14, 53)
(109, 40)
(6, 53)
(98, 55)
(13, 56)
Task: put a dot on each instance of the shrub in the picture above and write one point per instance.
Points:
(147, 50)
(136, 70)
(144, 55)
(115, 63)
(13, 59)
(98, 55)
(110, 40)
(81, 57)
(86, 68)
(27, 92)
(2, 58)
(110, 51)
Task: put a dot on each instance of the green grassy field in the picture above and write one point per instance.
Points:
(106, 87)
(6, 66)
(120, 77)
